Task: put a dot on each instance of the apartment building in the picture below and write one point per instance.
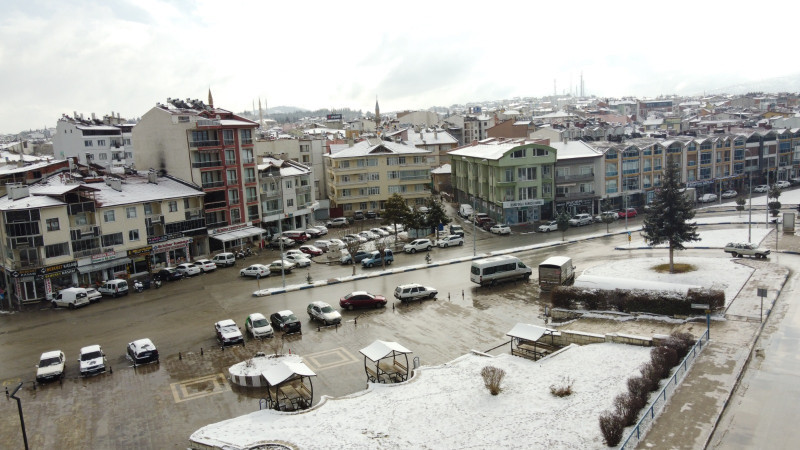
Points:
(286, 195)
(306, 151)
(210, 147)
(71, 231)
(476, 127)
(437, 141)
(105, 142)
(363, 175)
(578, 173)
(511, 180)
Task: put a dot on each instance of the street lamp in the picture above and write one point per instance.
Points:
(21, 419)
(280, 227)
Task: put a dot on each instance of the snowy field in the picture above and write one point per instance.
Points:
(447, 406)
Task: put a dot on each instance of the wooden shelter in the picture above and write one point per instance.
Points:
(525, 341)
(289, 386)
(386, 362)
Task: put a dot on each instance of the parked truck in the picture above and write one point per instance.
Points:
(556, 271)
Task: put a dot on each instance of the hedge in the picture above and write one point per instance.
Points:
(666, 303)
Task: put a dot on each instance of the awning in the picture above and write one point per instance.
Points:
(381, 349)
(239, 234)
(529, 332)
(103, 265)
(283, 371)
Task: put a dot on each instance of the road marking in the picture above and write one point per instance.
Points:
(11, 381)
(199, 387)
(329, 359)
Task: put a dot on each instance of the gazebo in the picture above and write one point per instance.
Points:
(525, 341)
(289, 386)
(385, 362)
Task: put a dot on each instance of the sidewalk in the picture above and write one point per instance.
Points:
(692, 413)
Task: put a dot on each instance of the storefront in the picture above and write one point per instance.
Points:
(573, 207)
(140, 260)
(522, 211)
(169, 250)
(234, 236)
(102, 267)
(33, 285)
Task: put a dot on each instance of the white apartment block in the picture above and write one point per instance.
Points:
(286, 195)
(104, 142)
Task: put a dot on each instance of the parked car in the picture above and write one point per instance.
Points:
(93, 295)
(782, 184)
(114, 288)
(761, 188)
(362, 299)
(297, 260)
(323, 245)
(296, 251)
(167, 274)
(414, 291)
(580, 220)
(449, 241)
(418, 245)
(374, 258)
(358, 215)
(311, 250)
(627, 212)
(391, 228)
(358, 257)
(188, 269)
(258, 326)
(335, 244)
(371, 215)
(285, 321)
(324, 313)
(281, 265)
(51, 366)
(337, 222)
(488, 224)
(206, 265)
(707, 198)
(501, 228)
(224, 259)
(369, 235)
(228, 333)
(255, 270)
(71, 298)
(313, 233)
(457, 230)
(480, 218)
(298, 236)
(277, 240)
(380, 232)
(739, 249)
(322, 229)
(356, 237)
(730, 193)
(142, 351)
(549, 226)
(92, 360)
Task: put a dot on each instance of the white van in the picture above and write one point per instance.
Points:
(224, 259)
(71, 298)
(465, 211)
(498, 268)
(114, 288)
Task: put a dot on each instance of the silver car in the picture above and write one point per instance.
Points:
(324, 313)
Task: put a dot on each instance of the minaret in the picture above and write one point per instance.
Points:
(377, 114)
(210, 99)
(260, 115)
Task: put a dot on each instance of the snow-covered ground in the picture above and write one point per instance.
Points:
(447, 406)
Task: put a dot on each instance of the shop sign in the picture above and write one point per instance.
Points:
(227, 229)
(58, 270)
(24, 273)
(140, 251)
(164, 238)
(523, 203)
(100, 257)
(171, 245)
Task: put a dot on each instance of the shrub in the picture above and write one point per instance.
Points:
(611, 427)
(564, 389)
(627, 407)
(680, 342)
(663, 359)
(492, 377)
(650, 375)
(639, 387)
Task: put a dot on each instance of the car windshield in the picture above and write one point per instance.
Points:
(327, 309)
(290, 318)
(91, 355)
(258, 323)
(49, 362)
(229, 328)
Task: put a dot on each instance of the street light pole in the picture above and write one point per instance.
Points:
(474, 198)
(21, 419)
(280, 231)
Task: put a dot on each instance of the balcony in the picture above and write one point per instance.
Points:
(198, 144)
(349, 183)
(575, 195)
(215, 205)
(203, 164)
(351, 197)
(208, 123)
(303, 189)
(247, 141)
(505, 182)
(575, 178)
(213, 184)
(92, 251)
(270, 193)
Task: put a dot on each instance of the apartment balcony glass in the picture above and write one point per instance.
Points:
(574, 178)
(206, 143)
(213, 184)
(202, 164)
(612, 173)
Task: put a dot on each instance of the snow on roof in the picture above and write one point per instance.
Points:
(12, 167)
(455, 392)
(381, 349)
(574, 149)
(528, 332)
(31, 201)
(487, 151)
(367, 148)
(445, 169)
(135, 189)
(233, 122)
(99, 127)
(430, 138)
(284, 370)
(557, 260)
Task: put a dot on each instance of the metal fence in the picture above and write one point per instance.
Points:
(640, 429)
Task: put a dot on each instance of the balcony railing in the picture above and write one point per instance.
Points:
(270, 193)
(272, 212)
(208, 123)
(213, 184)
(215, 205)
(202, 164)
(351, 182)
(210, 143)
(574, 178)
(575, 194)
(301, 189)
(92, 251)
(247, 141)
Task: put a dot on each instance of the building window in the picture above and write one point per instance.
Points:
(289, 202)
(108, 216)
(230, 157)
(252, 195)
(375, 190)
(526, 173)
(518, 153)
(54, 250)
(249, 175)
(87, 143)
(527, 193)
(233, 196)
(227, 137)
(546, 171)
(52, 225)
(236, 216)
(374, 176)
(393, 175)
(509, 175)
(133, 235)
(232, 178)
(173, 206)
(148, 209)
(130, 212)
(611, 186)
(110, 240)
(347, 207)
(372, 162)
(247, 155)
(306, 159)
(103, 156)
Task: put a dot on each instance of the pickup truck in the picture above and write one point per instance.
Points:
(738, 249)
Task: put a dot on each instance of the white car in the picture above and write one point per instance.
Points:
(549, 226)
(92, 360)
(707, 198)
(761, 188)
(228, 333)
(295, 252)
(449, 241)
(255, 270)
(414, 291)
(580, 220)
(299, 261)
(730, 193)
(390, 228)
(206, 265)
(281, 265)
(337, 222)
(418, 245)
(93, 295)
(51, 366)
(500, 228)
(782, 184)
(338, 243)
(324, 313)
(188, 269)
(369, 235)
(322, 228)
(258, 326)
(380, 232)
(356, 237)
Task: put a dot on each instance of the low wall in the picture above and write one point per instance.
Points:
(566, 337)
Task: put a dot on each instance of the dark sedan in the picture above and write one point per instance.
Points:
(285, 321)
(167, 274)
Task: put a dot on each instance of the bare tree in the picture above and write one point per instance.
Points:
(352, 246)
(276, 345)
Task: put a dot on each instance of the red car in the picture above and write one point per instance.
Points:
(310, 250)
(362, 299)
(630, 212)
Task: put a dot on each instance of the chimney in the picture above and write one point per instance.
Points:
(17, 191)
(350, 142)
(75, 114)
(435, 133)
(152, 177)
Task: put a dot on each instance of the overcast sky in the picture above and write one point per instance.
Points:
(124, 56)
